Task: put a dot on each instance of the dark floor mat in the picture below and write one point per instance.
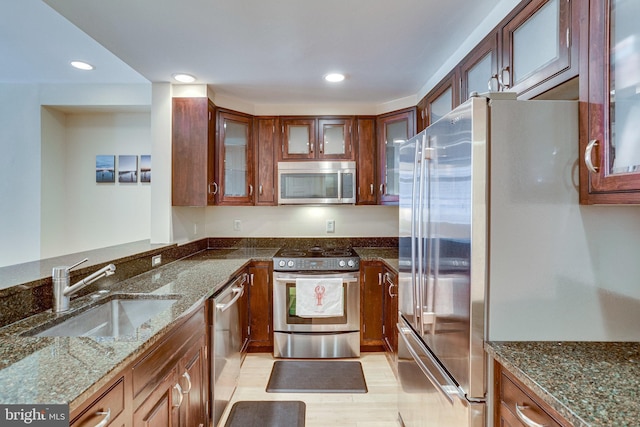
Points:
(264, 413)
(294, 376)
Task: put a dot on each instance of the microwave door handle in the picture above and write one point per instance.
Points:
(339, 185)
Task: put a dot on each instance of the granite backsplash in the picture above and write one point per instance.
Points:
(26, 289)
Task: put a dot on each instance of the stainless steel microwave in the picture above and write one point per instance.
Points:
(316, 182)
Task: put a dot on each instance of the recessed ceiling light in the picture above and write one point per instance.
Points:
(81, 65)
(334, 77)
(184, 78)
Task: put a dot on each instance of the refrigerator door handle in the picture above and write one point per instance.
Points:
(450, 390)
(420, 282)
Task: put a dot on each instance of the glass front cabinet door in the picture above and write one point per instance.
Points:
(610, 149)
(537, 47)
(317, 138)
(234, 154)
(393, 129)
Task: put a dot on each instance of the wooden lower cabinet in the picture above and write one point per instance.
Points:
(390, 314)
(167, 386)
(109, 403)
(371, 306)
(162, 406)
(517, 406)
(260, 307)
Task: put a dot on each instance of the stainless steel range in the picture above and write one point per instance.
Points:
(316, 303)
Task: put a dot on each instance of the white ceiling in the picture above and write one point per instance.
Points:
(259, 51)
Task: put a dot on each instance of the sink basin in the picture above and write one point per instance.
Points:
(116, 317)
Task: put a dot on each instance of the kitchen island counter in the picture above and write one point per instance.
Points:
(51, 370)
(588, 383)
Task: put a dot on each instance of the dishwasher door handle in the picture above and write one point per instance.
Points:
(238, 291)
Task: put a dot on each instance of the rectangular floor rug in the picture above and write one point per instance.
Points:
(293, 376)
(264, 413)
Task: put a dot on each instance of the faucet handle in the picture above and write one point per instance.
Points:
(63, 271)
(78, 263)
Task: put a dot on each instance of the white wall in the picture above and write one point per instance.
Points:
(302, 221)
(89, 215)
(21, 134)
(19, 173)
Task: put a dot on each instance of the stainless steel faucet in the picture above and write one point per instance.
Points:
(62, 291)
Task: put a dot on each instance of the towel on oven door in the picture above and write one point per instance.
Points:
(319, 297)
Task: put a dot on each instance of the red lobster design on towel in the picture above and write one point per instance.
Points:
(319, 290)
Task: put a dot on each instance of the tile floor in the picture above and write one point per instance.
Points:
(376, 408)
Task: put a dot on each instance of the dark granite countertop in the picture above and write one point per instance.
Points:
(70, 369)
(388, 255)
(589, 383)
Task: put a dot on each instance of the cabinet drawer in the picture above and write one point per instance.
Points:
(515, 400)
(155, 365)
(111, 401)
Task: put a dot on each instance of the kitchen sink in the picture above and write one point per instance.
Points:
(115, 317)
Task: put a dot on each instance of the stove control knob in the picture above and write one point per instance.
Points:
(290, 263)
(281, 263)
(341, 263)
(351, 263)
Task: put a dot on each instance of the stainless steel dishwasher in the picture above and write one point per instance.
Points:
(226, 344)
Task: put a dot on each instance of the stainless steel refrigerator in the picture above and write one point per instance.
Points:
(462, 181)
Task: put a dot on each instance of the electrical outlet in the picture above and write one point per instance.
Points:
(331, 226)
(156, 260)
(237, 225)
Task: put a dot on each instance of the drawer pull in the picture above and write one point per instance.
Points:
(106, 419)
(526, 420)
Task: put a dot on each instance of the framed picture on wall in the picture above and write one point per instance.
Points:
(105, 168)
(127, 168)
(145, 168)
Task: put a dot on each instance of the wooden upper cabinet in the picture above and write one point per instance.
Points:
(366, 164)
(334, 139)
(298, 138)
(392, 130)
(235, 158)
(316, 138)
(267, 136)
(422, 115)
(479, 69)
(193, 152)
(443, 98)
(610, 105)
(539, 47)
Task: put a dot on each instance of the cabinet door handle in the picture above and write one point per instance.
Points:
(177, 395)
(526, 420)
(587, 156)
(187, 378)
(381, 188)
(251, 279)
(250, 190)
(379, 279)
(372, 189)
(391, 294)
(491, 79)
(215, 188)
(106, 419)
(260, 189)
(500, 78)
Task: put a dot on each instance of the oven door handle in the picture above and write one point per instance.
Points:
(293, 279)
